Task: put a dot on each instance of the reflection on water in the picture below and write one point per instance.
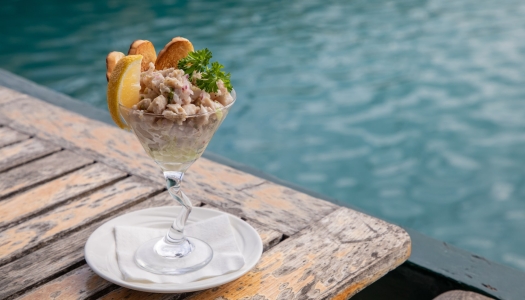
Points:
(412, 110)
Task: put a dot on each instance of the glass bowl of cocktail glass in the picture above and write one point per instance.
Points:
(174, 144)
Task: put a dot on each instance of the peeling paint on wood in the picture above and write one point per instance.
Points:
(321, 261)
(15, 240)
(136, 295)
(36, 172)
(108, 144)
(54, 257)
(332, 252)
(274, 206)
(461, 295)
(268, 236)
(8, 95)
(233, 191)
(72, 285)
(24, 151)
(165, 197)
(9, 136)
(34, 200)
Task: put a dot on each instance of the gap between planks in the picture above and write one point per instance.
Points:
(24, 152)
(40, 171)
(60, 191)
(9, 136)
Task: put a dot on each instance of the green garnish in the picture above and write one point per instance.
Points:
(195, 61)
(198, 61)
(209, 78)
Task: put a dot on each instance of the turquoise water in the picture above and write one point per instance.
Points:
(412, 110)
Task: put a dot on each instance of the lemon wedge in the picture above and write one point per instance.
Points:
(124, 86)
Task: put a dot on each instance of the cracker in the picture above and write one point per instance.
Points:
(111, 62)
(146, 49)
(176, 49)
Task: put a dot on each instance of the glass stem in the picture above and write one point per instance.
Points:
(175, 234)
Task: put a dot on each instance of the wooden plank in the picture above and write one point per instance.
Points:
(73, 285)
(83, 283)
(128, 294)
(268, 236)
(278, 208)
(61, 189)
(16, 240)
(333, 259)
(49, 260)
(8, 95)
(461, 295)
(166, 198)
(36, 172)
(24, 151)
(9, 136)
(108, 144)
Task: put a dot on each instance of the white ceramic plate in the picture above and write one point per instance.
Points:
(102, 258)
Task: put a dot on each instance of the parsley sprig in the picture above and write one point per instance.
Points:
(195, 61)
(198, 61)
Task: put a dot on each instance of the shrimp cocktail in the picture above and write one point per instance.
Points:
(173, 103)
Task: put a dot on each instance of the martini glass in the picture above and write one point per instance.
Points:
(174, 144)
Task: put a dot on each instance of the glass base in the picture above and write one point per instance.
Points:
(157, 256)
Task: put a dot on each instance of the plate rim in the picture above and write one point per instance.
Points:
(172, 287)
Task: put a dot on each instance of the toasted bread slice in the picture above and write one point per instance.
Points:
(111, 62)
(178, 48)
(146, 49)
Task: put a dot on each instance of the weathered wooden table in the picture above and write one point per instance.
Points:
(62, 175)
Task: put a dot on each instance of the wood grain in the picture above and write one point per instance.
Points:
(274, 206)
(55, 257)
(51, 193)
(166, 198)
(41, 170)
(73, 285)
(43, 228)
(128, 294)
(8, 95)
(104, 143)
(24, 151)
(335, 258)
(461, 295)
(277, 207)
(268, 236)
(9, 136)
